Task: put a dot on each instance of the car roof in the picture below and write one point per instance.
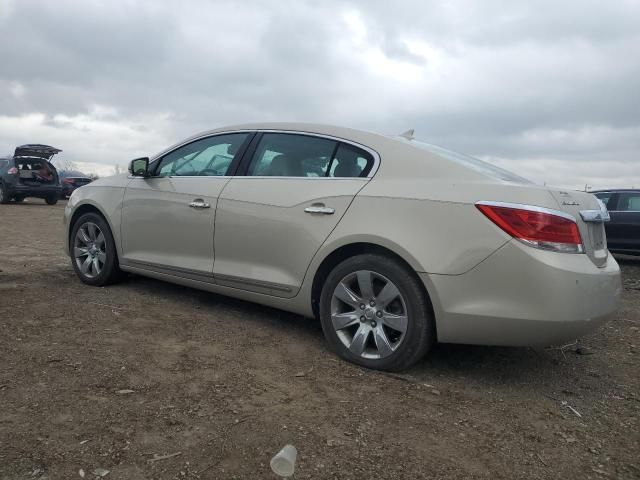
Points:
(404, 154)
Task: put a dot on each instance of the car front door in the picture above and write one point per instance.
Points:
(168, 218)
(272, 220)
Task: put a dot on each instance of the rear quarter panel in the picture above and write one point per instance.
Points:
(432, 236)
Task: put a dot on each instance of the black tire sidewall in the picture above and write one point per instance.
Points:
(420, 333)
(5, 194)
(52, 200)
(110, 269)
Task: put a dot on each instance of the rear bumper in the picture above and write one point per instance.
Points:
(521, 296)
(29, 191)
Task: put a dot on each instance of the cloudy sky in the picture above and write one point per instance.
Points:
(548, 89)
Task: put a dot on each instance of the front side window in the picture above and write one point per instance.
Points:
(293, 155)
(629, 202)
(209, 156)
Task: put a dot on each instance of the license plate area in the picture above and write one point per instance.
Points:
(598, 240)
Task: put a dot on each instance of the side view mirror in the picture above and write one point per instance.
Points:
(139, 167)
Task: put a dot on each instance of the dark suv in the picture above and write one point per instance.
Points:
(623, 230)
(29, 173)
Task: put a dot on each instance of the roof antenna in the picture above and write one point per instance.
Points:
(408, 134)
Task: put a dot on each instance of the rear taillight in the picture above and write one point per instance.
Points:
(12, 171)
(67, 181)
(536, 226)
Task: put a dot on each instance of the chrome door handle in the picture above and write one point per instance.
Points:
(199, 204)
(320, 208)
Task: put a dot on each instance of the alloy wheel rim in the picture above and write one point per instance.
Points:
(369, 314)
(89, 250)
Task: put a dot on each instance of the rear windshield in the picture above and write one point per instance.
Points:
(27, 163)
(473, 163)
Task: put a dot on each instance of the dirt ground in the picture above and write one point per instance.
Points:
(224, 384)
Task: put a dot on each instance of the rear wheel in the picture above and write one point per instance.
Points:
(93, 251)
(374, 312)
(18, 199)
(4, 196)
(51, 200)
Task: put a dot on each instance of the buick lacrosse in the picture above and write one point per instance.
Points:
(392, 243)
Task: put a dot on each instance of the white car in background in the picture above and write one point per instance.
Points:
(392, 243)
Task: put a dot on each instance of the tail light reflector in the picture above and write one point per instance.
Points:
(537, 227)
(12, 171)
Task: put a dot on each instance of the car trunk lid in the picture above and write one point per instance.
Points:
(590, 215)
(36, 150)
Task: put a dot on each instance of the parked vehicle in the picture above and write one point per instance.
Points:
(392, 243)
(29, 173)
(72, 179)
(623, 231)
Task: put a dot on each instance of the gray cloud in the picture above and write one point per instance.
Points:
(547, 89)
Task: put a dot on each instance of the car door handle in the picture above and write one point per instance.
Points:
(199, 204)
(320, 208)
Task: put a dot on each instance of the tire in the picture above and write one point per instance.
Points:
(4, 195)
(107, 270)
(358, 335)
(18, 199)
(51, 200)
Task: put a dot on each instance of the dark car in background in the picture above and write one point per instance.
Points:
(623, 230)
(71, 180)
(29, 173)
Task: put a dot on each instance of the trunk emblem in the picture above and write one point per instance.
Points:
(570, 203)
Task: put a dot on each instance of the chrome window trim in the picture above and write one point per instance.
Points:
(373, 153)
(265, 177)
(180, 176)
(176, 146)
(531, 208)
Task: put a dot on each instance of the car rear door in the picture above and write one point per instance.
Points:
(168, 218)
(272, 220)
(625, 222)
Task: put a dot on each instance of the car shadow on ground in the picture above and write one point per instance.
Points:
(487, 364)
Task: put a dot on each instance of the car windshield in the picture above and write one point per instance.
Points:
(472, 162)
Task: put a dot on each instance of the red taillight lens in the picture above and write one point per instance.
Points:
(535, 226)
(12, 171)
(67, 181)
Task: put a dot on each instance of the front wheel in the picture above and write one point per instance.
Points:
(93, 251)
(375, 313)
(51, 200)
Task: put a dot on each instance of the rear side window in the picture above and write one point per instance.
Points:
(350, 161)
(293, 155)
(289, 155)
(629, 202)
(3, 163)
(209, 156)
